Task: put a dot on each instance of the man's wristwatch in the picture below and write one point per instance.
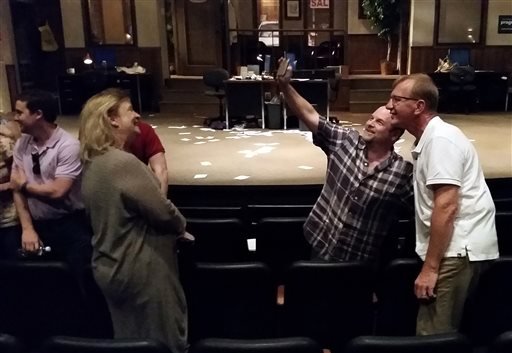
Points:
(23, 187)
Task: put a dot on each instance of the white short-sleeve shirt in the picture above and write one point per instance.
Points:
(444, 155)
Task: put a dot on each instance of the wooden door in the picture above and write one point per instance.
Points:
(199, 36)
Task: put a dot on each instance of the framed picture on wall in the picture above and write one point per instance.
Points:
(292, 10)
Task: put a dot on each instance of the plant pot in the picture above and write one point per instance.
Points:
(387, 67)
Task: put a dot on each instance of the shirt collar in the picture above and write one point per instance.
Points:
(51, 142)
(429, 129)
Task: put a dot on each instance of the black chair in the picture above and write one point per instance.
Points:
(329, 302)
(275, 345)
(488, 311)
(41, 299)
(502, 343)
(462, 90)
(62, 344)
(397, 307)
(10, 344)
(445, 343)
(218, 240)
(236, 300)
(328, 53)
(280, 242)
(214, 79)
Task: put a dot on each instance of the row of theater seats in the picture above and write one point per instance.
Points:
(222, 235)
(330, 303)
(443, 343)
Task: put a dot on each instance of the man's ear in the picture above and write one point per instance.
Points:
(420, 106)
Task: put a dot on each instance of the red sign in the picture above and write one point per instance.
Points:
(319, 4)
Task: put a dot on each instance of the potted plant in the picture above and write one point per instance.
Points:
(384, 15)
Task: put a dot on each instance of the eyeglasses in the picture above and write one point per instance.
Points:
(36, 166)
(398, 99)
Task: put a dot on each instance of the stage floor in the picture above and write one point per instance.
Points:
(201, 156)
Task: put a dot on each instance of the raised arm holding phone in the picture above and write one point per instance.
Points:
(366, 182)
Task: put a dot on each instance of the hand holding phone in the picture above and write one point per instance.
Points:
(283, 66)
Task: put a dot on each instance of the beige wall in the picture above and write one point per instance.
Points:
(72, 23)
(422, 22)
(7, 54)
(496, 8)
(356, 25)
(147, 20)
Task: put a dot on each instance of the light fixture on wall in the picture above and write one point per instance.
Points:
(87, 59)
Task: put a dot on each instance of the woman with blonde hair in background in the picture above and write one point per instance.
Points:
(10, 240)
(135, 227)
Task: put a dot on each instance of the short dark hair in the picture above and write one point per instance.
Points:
(40, 100)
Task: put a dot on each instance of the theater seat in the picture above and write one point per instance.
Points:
(62, 344)
(41, 299)
(231, 300)
(10, 344)
(445, 343)
(276, 345)
(329, 302)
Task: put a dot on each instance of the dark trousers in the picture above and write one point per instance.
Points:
(69, 238)
(10, 242)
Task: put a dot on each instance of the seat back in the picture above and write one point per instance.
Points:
(235, 300)
(462, 74)
(502, 343)
(503, 227)
(329, 302)
(10, 344)
(445, 343)
(488, 311)
(280, 242)
(62, 344)
(218, 240)
(275, 345)
(215, 78)
(41, 299)
(397, 304)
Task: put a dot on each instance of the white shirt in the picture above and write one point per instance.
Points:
(444, 155)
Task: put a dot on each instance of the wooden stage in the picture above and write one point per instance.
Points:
(286, 159)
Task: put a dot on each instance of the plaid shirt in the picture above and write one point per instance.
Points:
(357, 206)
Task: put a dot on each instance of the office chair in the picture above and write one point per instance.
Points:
(328, 53)
(215, 79)
(445, 343)
(276, 345)
(62, 344)
(462, 89)
(10, 344)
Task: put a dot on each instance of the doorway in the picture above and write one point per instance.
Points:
(199, 36)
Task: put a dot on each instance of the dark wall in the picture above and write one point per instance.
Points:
(38, 69)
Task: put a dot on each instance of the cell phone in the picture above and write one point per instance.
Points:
(283, 66)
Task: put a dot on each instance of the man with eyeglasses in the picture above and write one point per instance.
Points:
(455, 213)
(367, 184)
(46, 181)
